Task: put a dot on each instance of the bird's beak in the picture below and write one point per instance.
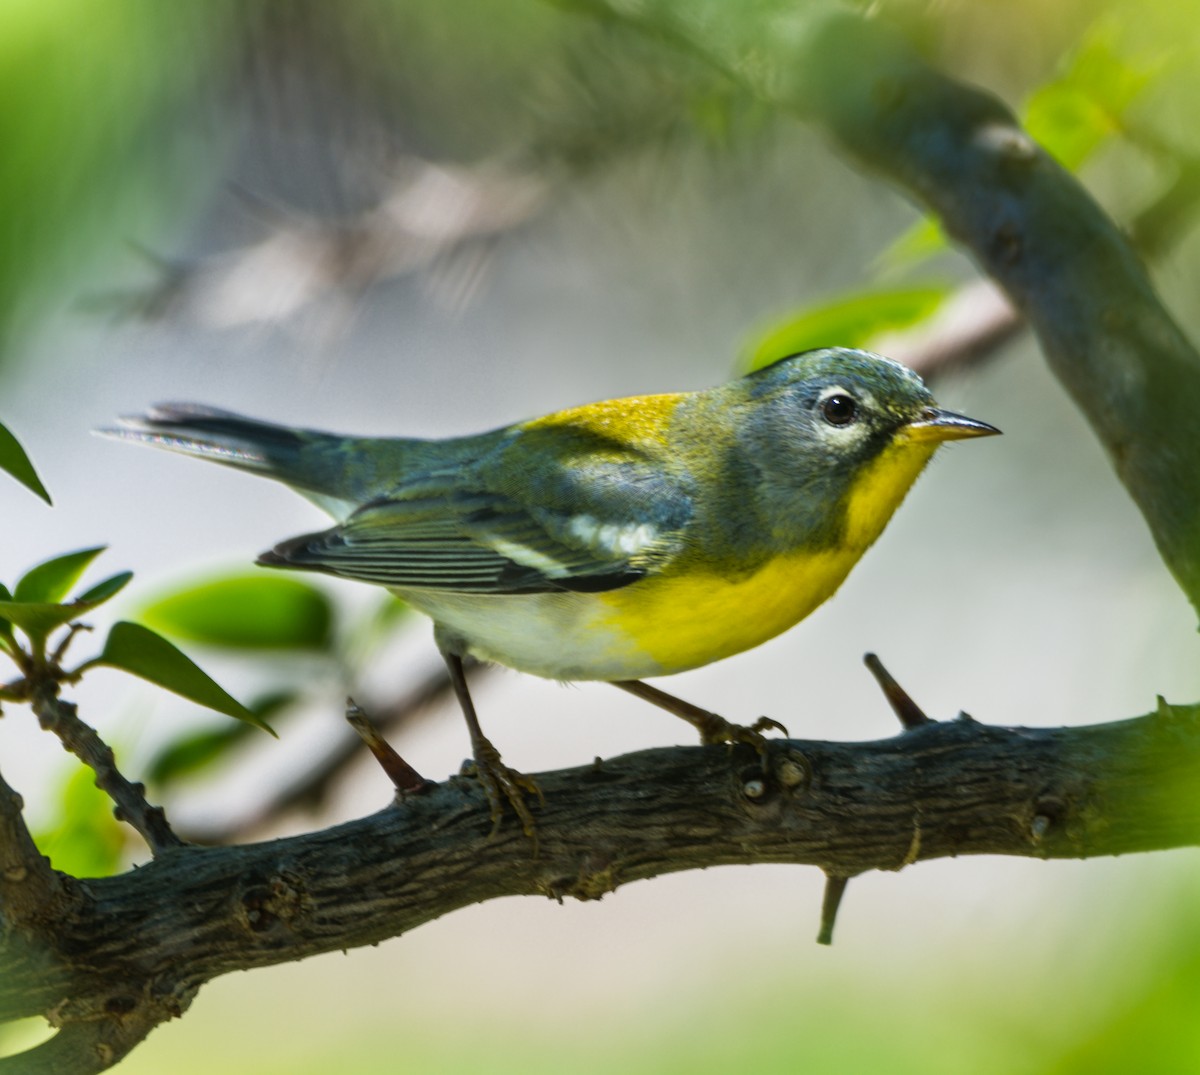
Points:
(938, 425)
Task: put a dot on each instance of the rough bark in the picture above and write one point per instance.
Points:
(131, 951)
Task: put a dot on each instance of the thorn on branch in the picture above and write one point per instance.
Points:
(835, 889)
(82, 740)
(403, 776)
(308, 789)
(909, 713)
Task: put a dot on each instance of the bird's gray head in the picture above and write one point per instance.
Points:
(831, 409)
(812, 423)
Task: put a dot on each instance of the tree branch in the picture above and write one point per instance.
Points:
(30, 890)
(136, 948)
(81, 739)
(83, 1048)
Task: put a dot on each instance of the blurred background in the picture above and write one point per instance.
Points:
(407, 217)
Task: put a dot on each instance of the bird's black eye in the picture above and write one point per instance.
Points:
(839, 410)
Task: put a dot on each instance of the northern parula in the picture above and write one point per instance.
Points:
(613, 541)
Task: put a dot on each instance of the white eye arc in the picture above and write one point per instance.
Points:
(838, 406)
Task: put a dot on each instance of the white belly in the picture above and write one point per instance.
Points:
(556, 635)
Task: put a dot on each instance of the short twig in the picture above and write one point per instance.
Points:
(835, 889)
(911, 715)
(61, 651)
(403, 776)
(973, 324)
(308, 789)
(60, 717)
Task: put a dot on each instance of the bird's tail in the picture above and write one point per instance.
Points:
(317, 465)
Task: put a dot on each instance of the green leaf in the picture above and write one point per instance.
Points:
(924, 240)
(196, 751)
(14, 460)
(1072, 116)
(51, 581)
(1068, 123)
(848, 321)
(247, 611)
(5, 627)
(38, 618)
(138, 650)
(104, 591)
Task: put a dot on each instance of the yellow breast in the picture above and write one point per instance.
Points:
(687, 618)
(691, 619)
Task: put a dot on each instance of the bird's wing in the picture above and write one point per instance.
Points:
(598, 529)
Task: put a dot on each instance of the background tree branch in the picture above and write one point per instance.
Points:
(1027, 221)
(1039, 234)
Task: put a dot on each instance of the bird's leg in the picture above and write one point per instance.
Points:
(712, 727)
(499, 781)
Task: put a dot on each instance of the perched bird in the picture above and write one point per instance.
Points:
(618, 540)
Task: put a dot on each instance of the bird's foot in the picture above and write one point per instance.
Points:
(506, 786)
(502, 784)
(720, 730)
(713, 728)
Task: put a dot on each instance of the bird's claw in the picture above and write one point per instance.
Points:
(504, 785)
(713, 727)
(765, 724)
(719, 730)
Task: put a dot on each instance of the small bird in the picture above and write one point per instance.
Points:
(613, 541)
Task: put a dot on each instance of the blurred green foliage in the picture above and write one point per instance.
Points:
(83, 838)
(1091, 98)
(256, 616)
(1151, 1027)
(193, 752)
(246, 611)
(91, 94)
(852, 320)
